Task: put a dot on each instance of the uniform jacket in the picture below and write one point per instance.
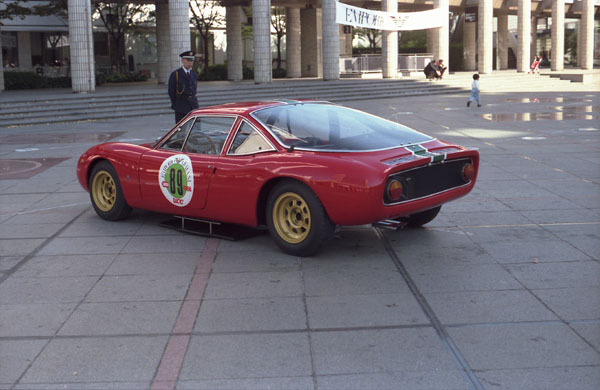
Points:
(182, 90)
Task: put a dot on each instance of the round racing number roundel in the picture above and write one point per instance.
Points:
(176, 179)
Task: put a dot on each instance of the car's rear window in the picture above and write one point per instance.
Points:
(333, 128)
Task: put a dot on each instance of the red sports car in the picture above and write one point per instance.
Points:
(297, 167)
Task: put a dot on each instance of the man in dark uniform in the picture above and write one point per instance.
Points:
(182, 87)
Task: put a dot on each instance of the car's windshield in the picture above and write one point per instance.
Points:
(329, 127)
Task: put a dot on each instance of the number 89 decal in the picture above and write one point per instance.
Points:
(176, 179)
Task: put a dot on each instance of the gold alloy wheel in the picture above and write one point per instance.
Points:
(104, 191)
(291, 217)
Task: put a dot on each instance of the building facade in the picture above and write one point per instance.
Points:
(314, 41)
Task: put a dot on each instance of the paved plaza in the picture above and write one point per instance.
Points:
(501, 291)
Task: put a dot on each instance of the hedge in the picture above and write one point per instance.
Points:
(219, 72)
(31, 80)
(102, 78)
(214, 72)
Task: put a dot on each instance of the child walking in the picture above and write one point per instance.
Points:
(535, 65)
(475, 91)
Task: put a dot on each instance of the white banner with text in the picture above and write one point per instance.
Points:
(389, 21)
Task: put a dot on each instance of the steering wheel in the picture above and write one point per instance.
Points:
(213, 147)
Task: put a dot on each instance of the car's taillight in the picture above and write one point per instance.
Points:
(468, 172)
(394, 190)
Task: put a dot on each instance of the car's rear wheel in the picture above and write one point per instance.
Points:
(296, 218)
(420, 219)
(106, 194)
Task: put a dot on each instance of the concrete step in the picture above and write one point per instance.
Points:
(238, 91)
(62, 116)
(122, 102)
(66, 108)
(130, 90)
(140, 100)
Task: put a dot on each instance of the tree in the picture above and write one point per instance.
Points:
(12, 9)
(205, 15)
(120, 17)
(413, 41)
(571, 46)
(278, 23)
(372, 36)
(57, 7)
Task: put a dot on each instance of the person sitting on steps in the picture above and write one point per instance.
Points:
(432, 71)
(442, 68)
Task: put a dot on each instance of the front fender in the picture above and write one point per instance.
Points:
(125, 158)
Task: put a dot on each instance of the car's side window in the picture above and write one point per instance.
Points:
(176, 140)
(208, 135)
(248, 140)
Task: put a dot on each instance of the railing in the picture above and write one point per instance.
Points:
(365, 63)
(372, 63)
(413, 62)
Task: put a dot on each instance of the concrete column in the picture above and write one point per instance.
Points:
(163, 42)
(523, 35)
(558, 35)
(389, 44)
(24, 50)
(533, 51)
(312, 64)
(485, 36)
(587, 35)
(345, 41)
(1, 64)
(431, 47)
(580, 33)
(234, 43)
(331, 42)
(261, 21)
(442, 35)
(503, 41)
(469, 45)
(179, 30)
(83, 78)
(293, 50)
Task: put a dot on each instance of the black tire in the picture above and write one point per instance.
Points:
(296, 219)
(420, 219)
(106, 194)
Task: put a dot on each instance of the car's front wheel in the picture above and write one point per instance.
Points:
(296, 218)
(106, 194)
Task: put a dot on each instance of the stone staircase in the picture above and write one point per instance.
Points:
(18, 108)
(511, 81)
(127, 101)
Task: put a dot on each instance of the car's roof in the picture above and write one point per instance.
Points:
(247, 107)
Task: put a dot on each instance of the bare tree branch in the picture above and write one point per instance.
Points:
(120, 17)
(278, 22)
(206, 14)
